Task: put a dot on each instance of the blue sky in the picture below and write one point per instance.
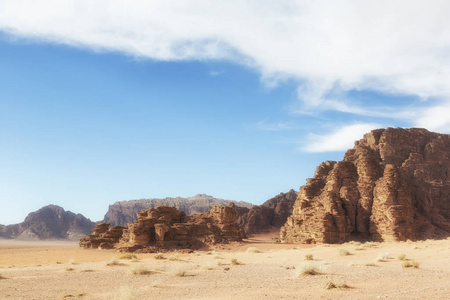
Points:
(240, 100)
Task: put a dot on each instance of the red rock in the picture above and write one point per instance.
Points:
(393, 185)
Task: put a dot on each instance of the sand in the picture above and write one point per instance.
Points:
(61, 270)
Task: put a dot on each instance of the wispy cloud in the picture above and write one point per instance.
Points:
(273, 126)
(393, 47)
(339, 139)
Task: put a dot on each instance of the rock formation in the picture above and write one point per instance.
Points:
(393, 185)
(102, 237)
(124, 212)
(166, 227)
(272, 214)
(49, 222)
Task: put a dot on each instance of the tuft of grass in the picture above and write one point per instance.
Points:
(113, 263)
(383, 257)
(139, 270)
(371, 244)
(401, 256)
(309, 257)
(159, 256)
(128, 256)
(309, 268)
(252, 250)
(66, 295)
(235, 262)
(69, 269)
(126, 293)
(410, 264)
(344, 252)
(331, 285)
(174, 257)
(180, 271)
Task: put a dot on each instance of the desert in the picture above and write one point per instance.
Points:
(256, 268)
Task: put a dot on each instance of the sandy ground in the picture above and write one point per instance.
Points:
(57, 270)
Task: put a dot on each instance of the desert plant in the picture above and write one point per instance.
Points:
(174, 257)
(401, 256)
(87, 270)
(128, 256)
(371, 244)
(383, 257)
(180, 271)
(410, 264)
(159, 256)
(139, 270)
(343, 252)
(309, 268)
(69, 269)
(235, 262)
(252, 250)
(309, 257)
(370, 265)
(113, 263)
(331, 285)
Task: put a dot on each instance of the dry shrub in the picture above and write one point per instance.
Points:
(113, 263)
(252, 250)
(410, 264)
(309, 268)
(139, 270)
(128, 256)
(401, 256)
(309, 257)
(159, 256)
(235, 262)
(343, 252)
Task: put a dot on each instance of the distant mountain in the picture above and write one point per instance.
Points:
(49, 222)
(271, 214)
(123, 212)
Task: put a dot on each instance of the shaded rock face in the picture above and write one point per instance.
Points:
(271, 214)
(124, 212)
(166, 227)
(102, 237)
(49, 222)
(392, 186)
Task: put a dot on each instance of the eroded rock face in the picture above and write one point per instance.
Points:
(272, 214)
(165, 227)
(102, 237)
(393, 185)
(124, 212)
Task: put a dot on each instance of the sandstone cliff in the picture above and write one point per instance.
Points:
(272, 214)
(49, 222)
(161, 228)
(123, 212)
(393, 185)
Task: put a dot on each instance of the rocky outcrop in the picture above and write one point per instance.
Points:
(102, 237)
(272, 214)
(49, 222)
(393, 185)
(124, 212)
(157, 229)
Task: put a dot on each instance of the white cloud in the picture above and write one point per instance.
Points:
(340, 139)
(398, 47)
(273, 126)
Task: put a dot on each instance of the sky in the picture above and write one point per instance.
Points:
(104, 101)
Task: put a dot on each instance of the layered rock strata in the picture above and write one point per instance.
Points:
(272, 214)
(161, 228)
(124, 212)
(392, 186)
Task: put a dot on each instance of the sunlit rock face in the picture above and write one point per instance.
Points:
(392, 186)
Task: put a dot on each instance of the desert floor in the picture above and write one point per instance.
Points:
(264, 270)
